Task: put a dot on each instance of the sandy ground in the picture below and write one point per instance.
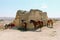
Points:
(46, 34)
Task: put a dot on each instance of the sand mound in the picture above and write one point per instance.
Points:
(46, 34)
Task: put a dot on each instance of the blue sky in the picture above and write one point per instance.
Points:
(8, 8)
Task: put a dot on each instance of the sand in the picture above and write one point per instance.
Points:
(45, 34)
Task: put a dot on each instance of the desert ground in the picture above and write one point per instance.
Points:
(45, 34)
